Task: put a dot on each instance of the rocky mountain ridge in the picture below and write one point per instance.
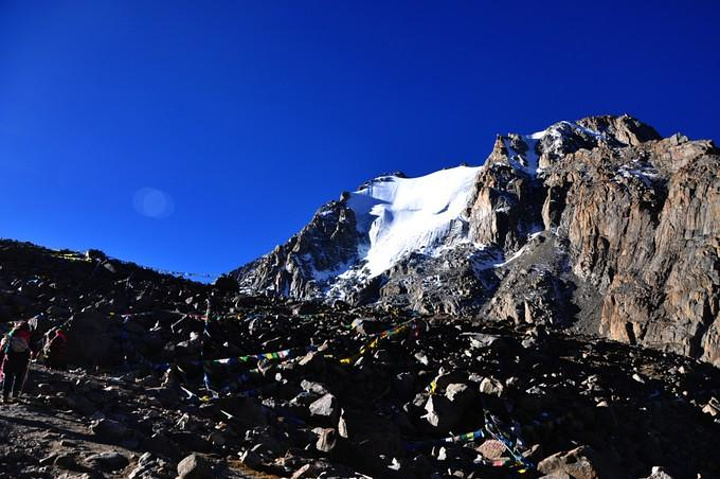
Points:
(600, 225)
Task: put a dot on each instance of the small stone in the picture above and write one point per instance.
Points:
(440, 453)
(423, 359)
(313, 387)
(342, 425)
(306, 471)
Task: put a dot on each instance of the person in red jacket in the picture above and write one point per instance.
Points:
(15, 348)
(55, 350)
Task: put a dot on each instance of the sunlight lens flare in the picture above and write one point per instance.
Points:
(153, 203)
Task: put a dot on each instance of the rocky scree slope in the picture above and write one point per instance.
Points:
(600, 225)
(583, 407)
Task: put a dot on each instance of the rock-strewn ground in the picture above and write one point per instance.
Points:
(340, 400)
(57, 429)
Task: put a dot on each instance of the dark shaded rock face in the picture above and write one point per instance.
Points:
(290, 269)
(601, 225)
(91, 339)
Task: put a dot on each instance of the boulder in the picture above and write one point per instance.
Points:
(195, 467)
(659, 473)
(580, 463)
(325, 408)
(108, 461)
(491, 387)
(441, 413)
(91, 340)
(67, 461)
(109, 430)
(460, 395)
(326, 438)
(246, 410)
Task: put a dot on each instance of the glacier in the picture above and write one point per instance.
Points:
(404, 215)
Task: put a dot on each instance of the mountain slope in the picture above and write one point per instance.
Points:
(600, 225)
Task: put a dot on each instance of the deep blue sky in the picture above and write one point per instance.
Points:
(251, 114)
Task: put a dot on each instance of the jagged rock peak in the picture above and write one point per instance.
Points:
(381, 178)
(533, 153)
(624, 128)
(614, 130)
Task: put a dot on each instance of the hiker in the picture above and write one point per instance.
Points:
(55, 350)
(15, 348)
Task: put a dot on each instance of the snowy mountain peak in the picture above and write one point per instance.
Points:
(401, 215)
(396, 237)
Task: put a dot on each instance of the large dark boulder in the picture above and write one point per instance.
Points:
(93, 339)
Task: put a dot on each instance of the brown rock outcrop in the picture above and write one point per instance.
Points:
(504, 206)
(643, 224)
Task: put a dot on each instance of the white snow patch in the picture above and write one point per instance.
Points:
(324, 275)
(528, 160)
(519, 252)
(402, 215)
(645, 173)
(535, 234)
(538, 135)
(555, 130)
(512, 258)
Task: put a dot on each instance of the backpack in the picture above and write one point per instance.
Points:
(56, 344)
(17, 345)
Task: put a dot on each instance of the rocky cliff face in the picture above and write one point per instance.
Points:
(327, 243)
(600, 225)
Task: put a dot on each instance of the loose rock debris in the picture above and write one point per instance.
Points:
(195, 382)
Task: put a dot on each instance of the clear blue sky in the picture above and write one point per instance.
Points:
(248, 115)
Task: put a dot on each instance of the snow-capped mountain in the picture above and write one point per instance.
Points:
(596, 224)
